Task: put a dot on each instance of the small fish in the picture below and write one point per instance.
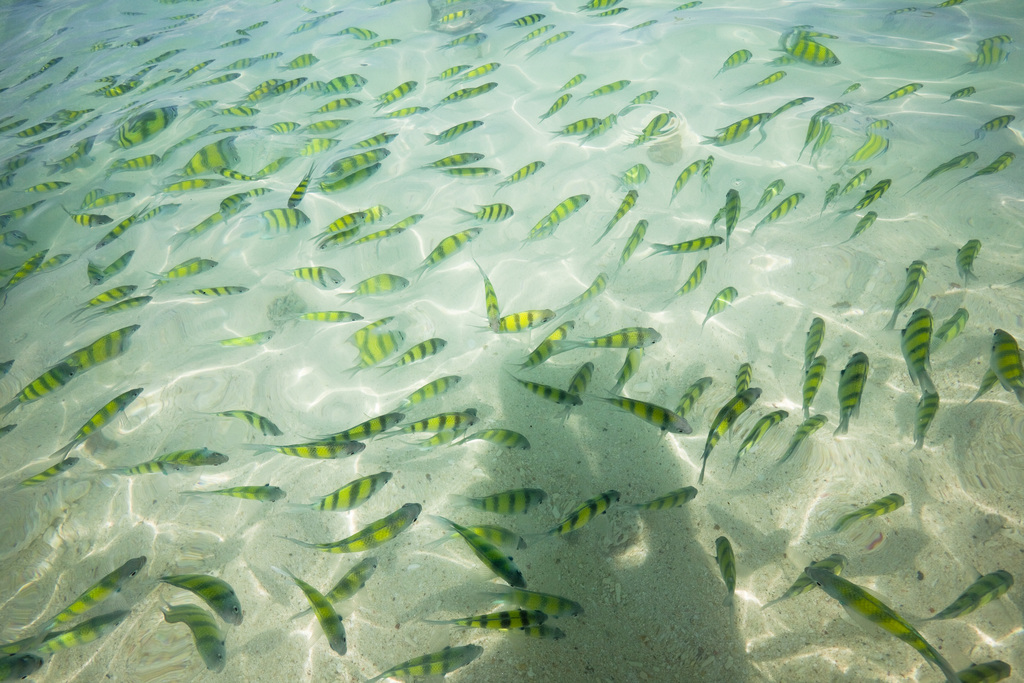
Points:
(727, 565)
(351, 583)
(852, 380)
(882, 506)
(373, 535)
(330, 620)
(352, 494)
(916, 273)
(783, 208)
(521, 174)
(768, 80)
(806, 428)
(902, 91)
(421, 351)
(719, 303)
(628, 202)
(215, 592)
(99, 420)
(51, 380)
(553, 394)
(524, 320)
(738, 58)
(584, 513)
(626, 338)
(861, 604)
(687, 173)
(965, 256)
(512, 502)
(812, 382)
(870, 196)
(47, 474)
(726, 416)
(19, 666)
(434, 664)
(692, 394)
(875, 145)
(951, 328)
(962, 92)
(85, 632)
(257, 339)
(380, 424)
(987, 672)
(551, 605)
(738, 131)
(695, 278)
(981, 592)
(915, 343)
(264, 494)
(1005, 363)
(506, 438)
(757, 433)
(490, 213)
(1001, 163)
(770, 192)
(960, 161)
(689, 246)
(193, 457)
(430, 390)
(997, 123)
(493, 558)
(672, 499)
(446, 248)
(662, 418)
(599, 284)
(629, 367)
(499, 621)
(833, 563)
(635, 238)
(95, 594)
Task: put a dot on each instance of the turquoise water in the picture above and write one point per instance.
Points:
(648, 581)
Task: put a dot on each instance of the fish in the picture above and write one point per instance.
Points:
(628, 202)
(216, 593)
(99, 420)
(719, 303)
(962, 92)
(48, 474)
(51, 380)
(815, 336)
(381, 423)
(19, 666)
(493, 558)
(662, 418)
(902, 91)
(687, 173)
(372, 535)
(738, 131)
(767, 80)
(689, 246)
(672, 499)
(581, 379)
(870, 196)
(498, 621)
(965, 256)
(351, 583)
(981, 592)
(629, 367)
(726, 559)
(375, 285)
(999, 164)
(692, 394)
(882, 506)
(875, 145)
(505, 438)
(635, 176)
(434, 664)
(852, 380)
(86, 632)
(812, 382)
(770, 192)
(553, 394)
(446, 248)
(757, 433)
(595, 289)
(743, 377)
(625, 338)
(584, 513)
(726, 416)
(524, 320)
(96, 594)
(330, 620)
(923, 416)
(861, 604)
(512, 502)
(635, 238)
(834, 563)
(1005, 363)
(951, 328)
(192, 457)
(352, 494)
(915, 343)
(806, 428)
(780, 210)
(998, 123)
(430, 390)
(916, 272)
(421, 351)
(695, 278)
(521, 174)
(551, 605)
(987, 672)
(264, 494)
(732, 213)
(738, 58)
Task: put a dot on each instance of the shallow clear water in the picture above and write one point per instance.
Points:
(648, 581)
